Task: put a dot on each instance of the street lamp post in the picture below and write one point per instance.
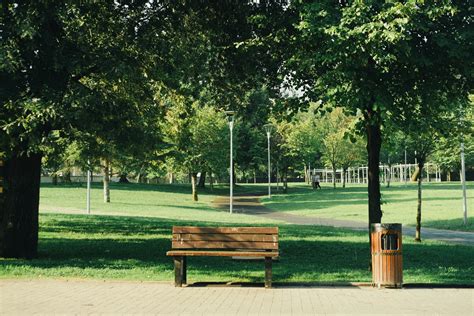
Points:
(230, 120)
(405, 168)
(268, 129)
(88, 204)
(463, 180)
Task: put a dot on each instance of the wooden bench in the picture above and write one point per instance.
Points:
(223, 242)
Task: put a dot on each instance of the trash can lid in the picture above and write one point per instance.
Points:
(375, 227)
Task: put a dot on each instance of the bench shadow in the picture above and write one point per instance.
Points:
(276, 284)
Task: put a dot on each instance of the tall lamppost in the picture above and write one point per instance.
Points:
(463, 180)
(230, 120)
(405, 168)
(88, 198)
(268, 129)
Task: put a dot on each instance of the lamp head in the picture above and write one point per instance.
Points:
(230, 115)
(268, 128)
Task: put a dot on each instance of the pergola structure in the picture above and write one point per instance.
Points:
(394, 173)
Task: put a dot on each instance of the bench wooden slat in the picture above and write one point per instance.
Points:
(224, 230)
(226, 237)
(189, 241)
(195, 253)
(223, 245)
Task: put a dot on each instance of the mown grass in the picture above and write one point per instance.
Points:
(128, 239)
(133, 248)
(165, 201)
(441, 203)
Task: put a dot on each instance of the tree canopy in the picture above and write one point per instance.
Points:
(139, 84)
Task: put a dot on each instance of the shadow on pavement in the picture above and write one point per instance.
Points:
(323, 285)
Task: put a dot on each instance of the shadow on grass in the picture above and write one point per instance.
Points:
(453, 224)
(196, 208)
(166, 188)
(303, 198)
(135, 247)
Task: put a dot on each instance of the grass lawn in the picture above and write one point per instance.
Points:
(165, 201)
(133, 248)
(441, 203)
(131, 236)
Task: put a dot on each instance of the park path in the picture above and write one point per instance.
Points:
(81, 297)
(251, 205)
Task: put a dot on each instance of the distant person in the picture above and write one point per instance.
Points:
(316, 182)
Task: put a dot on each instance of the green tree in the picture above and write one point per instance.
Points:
(422, 136)
(421, 141)
(393, 149)
(336, 148)
(304, 139)
(351, 154)
(199, 138)
(71, 68)
(283, 159)
(375, 58)
(251, 142)
(448, 150)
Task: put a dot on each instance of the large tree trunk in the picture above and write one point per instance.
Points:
(19, 205)
(334, 176)
(194, 185)
(374, 141)
(418, 209)
(202, 180)
(106, 170)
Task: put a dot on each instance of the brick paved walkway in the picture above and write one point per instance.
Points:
(22, 297)
(251, 205)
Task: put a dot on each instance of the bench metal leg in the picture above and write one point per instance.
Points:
(268, 272)
(178, 271)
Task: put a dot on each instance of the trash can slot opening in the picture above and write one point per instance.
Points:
(389, 241)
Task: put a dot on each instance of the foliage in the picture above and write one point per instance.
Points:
(393, 147)
(198, 135)
(448, 147)
(341, 149)
(251, 142)
(372, 58)
(304, 139)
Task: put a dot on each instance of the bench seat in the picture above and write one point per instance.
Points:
(207, 253)
(193, 241)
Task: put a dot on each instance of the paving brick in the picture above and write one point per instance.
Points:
(46, 297)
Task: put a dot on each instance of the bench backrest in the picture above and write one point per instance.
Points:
(248, 238)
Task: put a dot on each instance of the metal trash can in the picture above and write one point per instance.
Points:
(387, 269)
